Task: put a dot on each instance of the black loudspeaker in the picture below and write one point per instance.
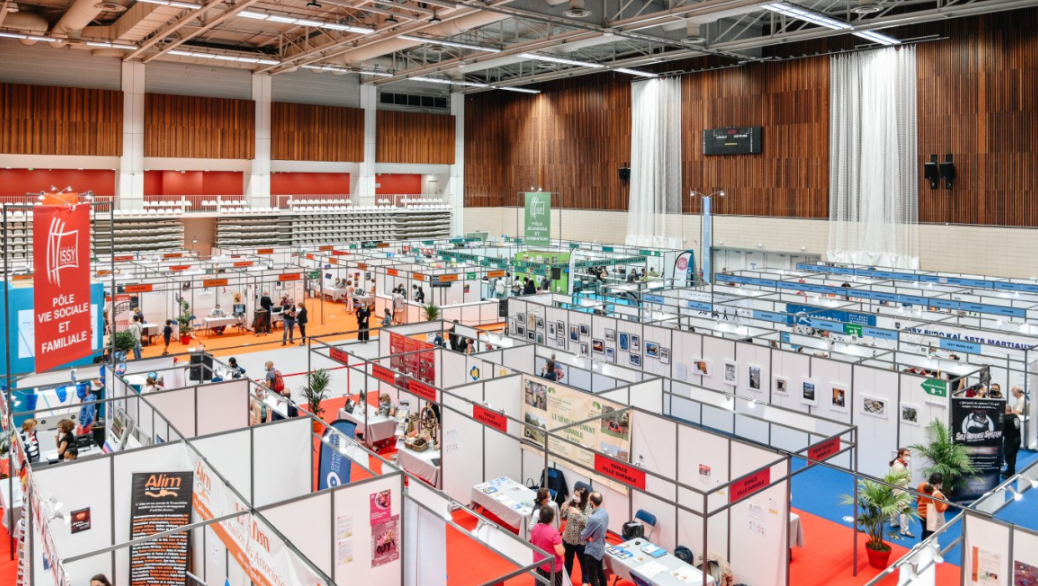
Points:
(556, 273)
(931, 172)
(625, 172)
(201, 367)
(948, 172)
(502, 308)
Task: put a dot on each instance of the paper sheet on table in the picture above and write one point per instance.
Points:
(651, 569)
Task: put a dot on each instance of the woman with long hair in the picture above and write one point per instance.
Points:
(575, 513)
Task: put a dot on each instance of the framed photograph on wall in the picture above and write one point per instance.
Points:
(874, 406)
(520, 331)
(574, 333)
(625, 341)
(636, 343)
(610, 335)
(560, 327)
(531, 321)
(781, 385)
(551, 329)
(731, 373)
(755, 378)
(652, 349)
(561, 342)
(531, 334)
(585, 330)
(838, 399)
(701, 367)
(664, 355)
(540, 323)
(540, 338)
(584, 349)
(597, 346)
(610, 355)
(909, 414)
(636, 359)
(809, 392)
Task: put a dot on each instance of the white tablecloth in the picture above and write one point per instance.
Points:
(336, 294)
(379, 427)
(215, 322)
(796, 531)
(507, 500)
(150, 329)
(421, 464)
(677, 572)
(5, 486)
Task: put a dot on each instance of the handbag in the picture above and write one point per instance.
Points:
(934, 519)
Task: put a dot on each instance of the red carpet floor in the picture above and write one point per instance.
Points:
(8, 566)
(828, 558)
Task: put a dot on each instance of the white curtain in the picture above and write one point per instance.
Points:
(873, 168)
(655, 202)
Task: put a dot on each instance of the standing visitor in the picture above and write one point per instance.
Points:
(549, 372)
(398, 306)
(545, 536)
(931, 490)
(899, 466)
(1019, 400)
(301, 320)
(363, 318)
(31, 442)
(137, 330)
(167, 336)
(65, 438)
(350, 292)
(576, 514)
(452, 336)
(1010, 441)
(387, 318)
(594, 536)
(288, 313)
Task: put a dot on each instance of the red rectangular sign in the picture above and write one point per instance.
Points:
(325, 247)
(422, 390)
(29, 276)
(749, 485)
(244, 263)
(61, 292)
(392, 272)
(362, 266)
(309, 257)
(123, 258)
(383, 374)
(417, 276)
(447, 278)
(137, 288)
(495, 274)
(290, 277)
(332, 260)
(214, 283)
(625, 473)
(339, 253)
(179, 267)
(340, 356)
(265, 251)
(824, 450)
(490, 418)
(170, 255)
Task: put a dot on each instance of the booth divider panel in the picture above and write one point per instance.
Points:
(665, 533)
(752, 356)
(794, 369)
(177, 407)
(759, 527)
(454, 371)
(227, 454)
(356, 502)
(654, 448)
(718, 351)
(831, 376)
(688, 347)
(282, 461)
(929, 408)
(1025, 547)
(463, 466)
(682, 407)
(307, 523)
(702, 462)
(878, 438)
(986, 548)
(662, 338)
(86, 485)
(749, 427)
(424, 547)
(648, 395)
(223, 407)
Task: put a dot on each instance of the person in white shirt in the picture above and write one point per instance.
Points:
(350, 290)
(137, 329)
(398, 308)
(1019, 401)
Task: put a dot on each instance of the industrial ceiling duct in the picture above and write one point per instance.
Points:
(577, 10)
(694, 34)
(28, 23)
(867, 7)
(75, 19)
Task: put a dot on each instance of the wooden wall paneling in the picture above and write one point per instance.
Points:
(44, 120)
(414, 137)
(304, 132)
(199, 128)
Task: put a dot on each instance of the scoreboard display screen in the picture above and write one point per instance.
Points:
(732, 141)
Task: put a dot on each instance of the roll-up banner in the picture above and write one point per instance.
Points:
(335, 466)
(685, 266)
(977, 425)
(707, 239)
(61, 286)
(161, 501)
(537, 230)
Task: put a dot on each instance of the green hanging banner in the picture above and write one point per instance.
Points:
(538, 219)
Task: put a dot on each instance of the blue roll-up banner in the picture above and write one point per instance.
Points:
(707, 239)
(335, 466)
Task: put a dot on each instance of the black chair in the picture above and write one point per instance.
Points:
(582, 484)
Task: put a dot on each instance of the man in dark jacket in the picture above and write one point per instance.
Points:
(1010, 441)
(363, 322)
(452, 336)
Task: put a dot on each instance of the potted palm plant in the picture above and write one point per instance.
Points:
(945, 456)
(315, 391)
(186, 320)
(432, 313)
(124, 342)
(877, 503)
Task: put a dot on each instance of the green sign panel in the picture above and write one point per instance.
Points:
(607, 249)
(470, 276)
(937, 388)
(315, 274)
(852, 330)
(538, 219)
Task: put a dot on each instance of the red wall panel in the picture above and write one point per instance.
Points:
(194, 183)
(398, 184)
(309, 183)
(22, 181)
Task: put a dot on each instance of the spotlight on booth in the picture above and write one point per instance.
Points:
(848, 519)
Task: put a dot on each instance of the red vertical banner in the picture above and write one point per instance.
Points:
(61, 289)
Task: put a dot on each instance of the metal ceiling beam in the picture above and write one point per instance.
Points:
(183, 20)
(240, 6)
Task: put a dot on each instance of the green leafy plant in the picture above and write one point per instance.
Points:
(945, 456)
(316, 390)
(877, 503)
(432, 313)
(124, 341)
(185, 319)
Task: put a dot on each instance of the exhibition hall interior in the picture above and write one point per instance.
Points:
(513, 292)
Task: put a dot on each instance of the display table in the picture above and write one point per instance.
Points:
(378, 428)
(136, 381)
(424, 465)
(51, 456)
(507, 500)
(796, 531)
(216, 322)
(150, 330)
(336, 293)
(5, 487)
(671, 570)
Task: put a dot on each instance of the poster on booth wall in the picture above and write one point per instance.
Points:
(385, 542)
(418, 364)
(160, 501)
(61, 285)
(977, 425)
(545, 401)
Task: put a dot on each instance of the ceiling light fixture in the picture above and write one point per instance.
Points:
(450, 44)
(111, 45)
(521, 90)
(449, 81)
(313, 4)
(239, 58)
(637, 72)
(808, 16)
(173, 3)
(563, 61)
(304, 22)
(876, 37)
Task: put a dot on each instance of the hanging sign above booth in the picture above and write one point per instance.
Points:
(339, 356)
(290, 277)
(625, 473)
(824, 450)
(214, 283)
(937, 388)
(748, 485)
(537, 219)
(137, 288)
(490, 418)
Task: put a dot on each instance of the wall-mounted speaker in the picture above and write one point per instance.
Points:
(931, 172)
(625, 172)
(948, 172)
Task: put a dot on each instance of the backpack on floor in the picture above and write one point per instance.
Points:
(684, 554)
(279, 382)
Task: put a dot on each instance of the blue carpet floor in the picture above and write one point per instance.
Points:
(1023, 512)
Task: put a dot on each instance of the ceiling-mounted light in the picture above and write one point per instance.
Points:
(520, 90)
(808, 16)
(878, 38)
(637, 72)
(251, 14)
(550, 59)
(449, 81)
(313, 4)
(376, 73)
(577, 10)
(173, 3)
(693, 34)
(450, 44)
(111, 45)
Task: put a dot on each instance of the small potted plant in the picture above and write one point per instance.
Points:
(315, 391)
(877, 503)
(124, 342)
(432, 313)
(186, 320)
(950, 459)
